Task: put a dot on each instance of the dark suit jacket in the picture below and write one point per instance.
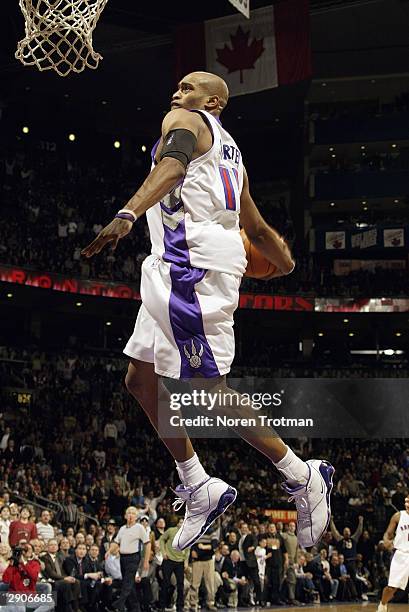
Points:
(93, 566)
(250, 557)
(71, 567)
(50, 571)
(236, 571)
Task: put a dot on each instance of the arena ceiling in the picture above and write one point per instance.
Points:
(349, 38)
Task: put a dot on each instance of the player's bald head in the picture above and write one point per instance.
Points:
(212, 85)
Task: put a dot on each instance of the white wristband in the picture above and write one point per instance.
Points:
(128, 212)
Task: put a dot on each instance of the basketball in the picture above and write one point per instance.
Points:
(257, 265)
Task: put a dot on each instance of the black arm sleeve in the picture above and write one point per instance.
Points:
(179, 144)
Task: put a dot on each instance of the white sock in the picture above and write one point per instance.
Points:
(294, 469)
(191, 472)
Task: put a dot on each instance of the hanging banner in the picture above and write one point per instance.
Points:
(394, 237)
(334, 240)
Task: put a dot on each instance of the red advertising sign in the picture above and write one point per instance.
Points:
(46, 280)
(259, 301)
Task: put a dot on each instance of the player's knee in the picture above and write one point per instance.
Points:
(134, 383)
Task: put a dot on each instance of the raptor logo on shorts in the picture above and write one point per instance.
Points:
(195, 360)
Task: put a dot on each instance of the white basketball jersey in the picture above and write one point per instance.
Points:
(401, 541)
(197, 223)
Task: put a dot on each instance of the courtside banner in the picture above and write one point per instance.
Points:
(271, 48)
(287, 407)
(129, 291)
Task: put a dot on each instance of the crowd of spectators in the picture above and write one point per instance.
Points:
(246, 559)
(363, 108)
(83, 451)
(398, 159)
(65, 204)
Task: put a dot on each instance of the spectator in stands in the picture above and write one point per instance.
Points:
(248, 543)
(107, 538)
(261, 555)
(291, 549)
(21, 576)
(63, 550)
(328, 583)
(5, 552)
(23, 528)
(68, 515)
(347, 544)
(44, 529)
(159, 527)
(174, 563)
(233, 567)
(67, 587)
(305, 585)
(75, 566)
(346, 587)
(4, 523)
(274, 566)
(366, 548)
(112, 562)
(202, 555)
(99, 584)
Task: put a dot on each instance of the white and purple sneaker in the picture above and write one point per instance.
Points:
(205, 502)
(313, 502)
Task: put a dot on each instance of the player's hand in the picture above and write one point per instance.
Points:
(360, 518)
(112, 233)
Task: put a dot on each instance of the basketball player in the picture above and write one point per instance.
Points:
(397, 536)
(195, 197)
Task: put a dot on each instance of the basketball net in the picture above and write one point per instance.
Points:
(59, 34)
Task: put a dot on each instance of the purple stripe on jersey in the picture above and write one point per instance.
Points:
(184, 308)
(154, 149)
(236, 175)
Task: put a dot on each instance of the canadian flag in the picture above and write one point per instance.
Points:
(271, 49)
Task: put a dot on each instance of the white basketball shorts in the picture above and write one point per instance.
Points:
(399, 570)
(185, 323)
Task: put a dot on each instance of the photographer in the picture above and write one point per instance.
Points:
(21, 576)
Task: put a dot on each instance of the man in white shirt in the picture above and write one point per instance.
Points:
(132, 538)
(4, 524)
(44, 529)
(5, 439)
(112, 562)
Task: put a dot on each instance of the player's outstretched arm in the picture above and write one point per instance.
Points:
(264, 237)
(389, 534)
(177, 150)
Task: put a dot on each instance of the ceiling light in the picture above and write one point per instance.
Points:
(9, 295)
(320, 334)
(117, 144)
(71, 137)
(398, 334)
(25, 129)
(108, 323)
(143, 148)
(346, 320)
(394, 146)
(78, 304)
(351, 334)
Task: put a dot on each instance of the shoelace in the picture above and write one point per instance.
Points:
(178, 504)
(303, 513)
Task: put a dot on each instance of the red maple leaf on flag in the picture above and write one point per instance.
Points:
(242, 55)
